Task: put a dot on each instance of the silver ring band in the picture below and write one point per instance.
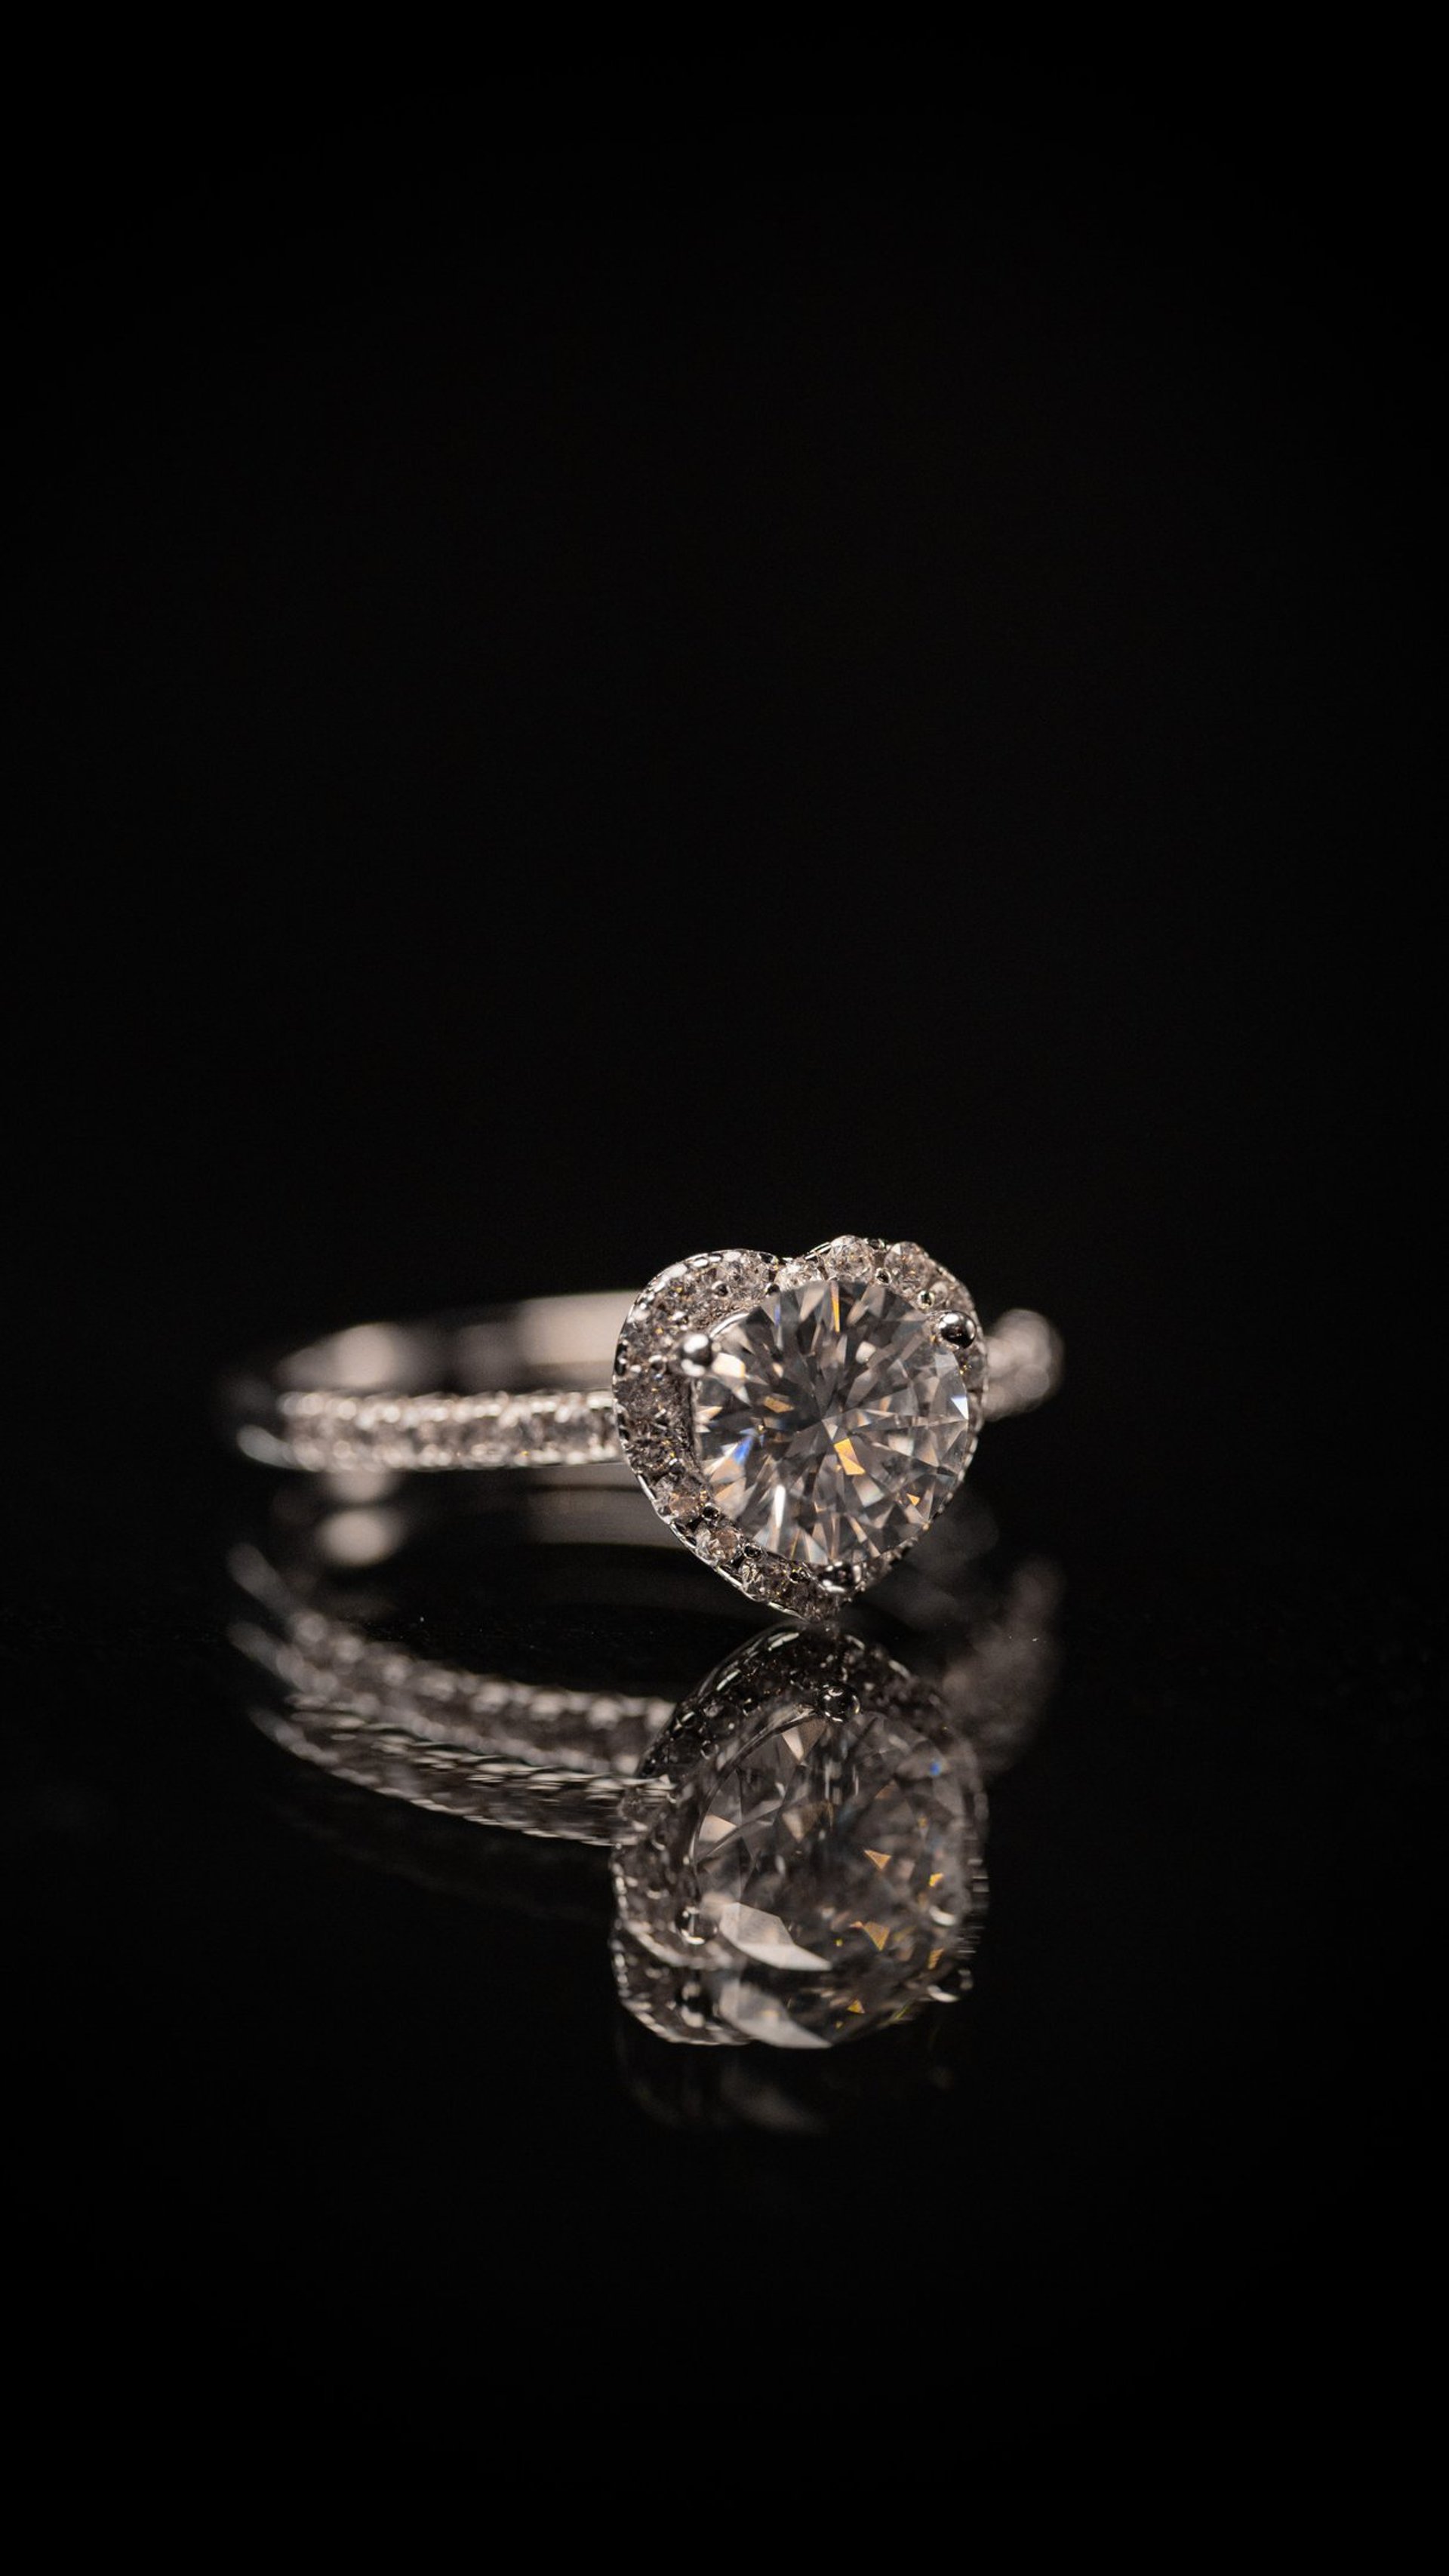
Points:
(517, 1386)
(798, 1423)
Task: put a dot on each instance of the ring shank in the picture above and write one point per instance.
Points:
(503, 1387)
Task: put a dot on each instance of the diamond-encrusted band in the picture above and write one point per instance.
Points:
(345, 1403)
(798, 1423)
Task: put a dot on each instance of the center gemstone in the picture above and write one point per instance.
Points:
(832, 1424)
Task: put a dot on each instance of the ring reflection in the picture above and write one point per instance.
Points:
(795, 1840)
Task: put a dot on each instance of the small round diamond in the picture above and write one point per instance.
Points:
(832, 1424)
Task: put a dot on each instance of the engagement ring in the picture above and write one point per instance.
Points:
(799, 1424)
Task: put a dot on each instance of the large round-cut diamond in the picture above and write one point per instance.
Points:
(833, 1423)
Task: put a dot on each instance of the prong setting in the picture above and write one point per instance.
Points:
(958, 1330)
(668, 1344)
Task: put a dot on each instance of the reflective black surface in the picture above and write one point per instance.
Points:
(303, 2023)
(556, 737)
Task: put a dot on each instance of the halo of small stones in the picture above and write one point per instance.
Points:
(655, 1413)
(659, 1958)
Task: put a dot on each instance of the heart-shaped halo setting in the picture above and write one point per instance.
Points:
(800, 1423)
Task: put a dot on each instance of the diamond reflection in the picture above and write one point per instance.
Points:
(795, 1846)
(816, 1871)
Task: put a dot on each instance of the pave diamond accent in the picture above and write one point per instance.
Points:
(832, 1423)
(326, 1429)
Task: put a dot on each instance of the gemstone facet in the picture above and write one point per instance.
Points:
(830, 1861)
(815, 1871)
(919, 1423)
(832, 1422)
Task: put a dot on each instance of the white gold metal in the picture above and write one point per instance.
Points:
(521, 1388)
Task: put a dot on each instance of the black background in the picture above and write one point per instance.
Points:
(598, 682)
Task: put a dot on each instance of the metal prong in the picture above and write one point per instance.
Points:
(846, 1579)
(693, 1357)
(959, 1330)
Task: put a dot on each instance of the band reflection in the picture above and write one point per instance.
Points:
(794, 1842)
